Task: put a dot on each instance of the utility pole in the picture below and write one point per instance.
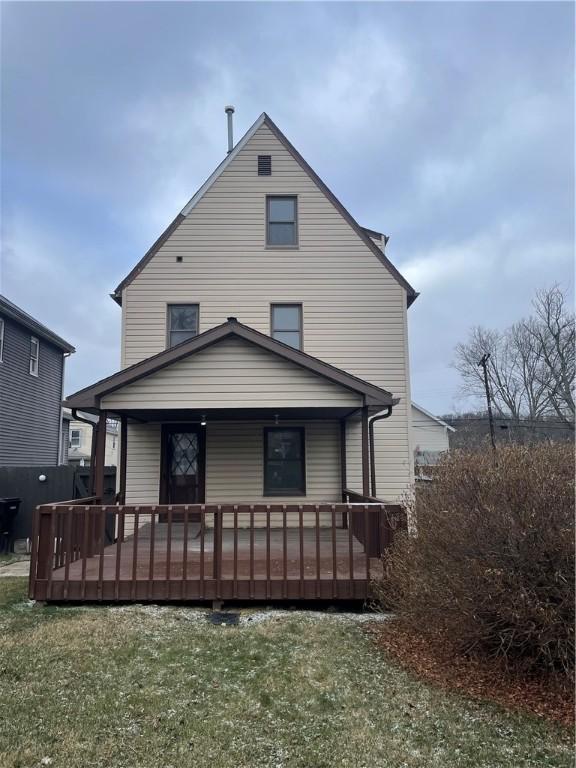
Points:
(483, 363)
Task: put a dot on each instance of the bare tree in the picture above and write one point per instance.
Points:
(553, 333)
(531, 369)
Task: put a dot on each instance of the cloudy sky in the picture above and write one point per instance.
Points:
(449, 126)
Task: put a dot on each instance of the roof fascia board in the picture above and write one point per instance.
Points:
(411, 294)
(431, 416)
(154, 248)
(117, 295)
(10, 310)
(90, 396)
(223, 165)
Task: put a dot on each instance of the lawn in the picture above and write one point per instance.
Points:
(154, 687)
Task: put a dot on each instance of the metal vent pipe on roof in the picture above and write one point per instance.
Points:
(230, 111)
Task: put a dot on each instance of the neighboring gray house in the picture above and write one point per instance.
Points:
(32, 361)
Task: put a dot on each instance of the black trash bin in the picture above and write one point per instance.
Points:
(8, 510)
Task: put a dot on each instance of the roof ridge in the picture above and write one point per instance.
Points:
(19, 315)
(265, 119)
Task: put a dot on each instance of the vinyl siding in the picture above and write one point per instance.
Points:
(354, 311)
(85, 447)
(30, 409)
(143, 464)
(428, 434)
(204, 380)
(234, 463)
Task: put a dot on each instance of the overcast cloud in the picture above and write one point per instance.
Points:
(449, 126)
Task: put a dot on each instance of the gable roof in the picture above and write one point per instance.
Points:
(8, 309)
(89, 397)
(431, 416)
(363, 233)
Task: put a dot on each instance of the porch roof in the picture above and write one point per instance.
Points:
(90, 398)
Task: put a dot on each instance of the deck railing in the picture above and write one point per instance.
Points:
(86, 551)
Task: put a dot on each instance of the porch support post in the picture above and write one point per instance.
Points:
(343, 478)
(365, 453)
(100, 456)
(123, 456)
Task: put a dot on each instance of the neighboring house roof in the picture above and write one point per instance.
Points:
(431, 416)
(89, 397)
(75, 454)
(364, 234)
(15, 313)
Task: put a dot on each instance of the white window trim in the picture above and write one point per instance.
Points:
(75, 445)
(1, 340)
(34, 370)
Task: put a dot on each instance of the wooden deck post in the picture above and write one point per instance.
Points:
(99, 457)
(343, 472)
(123, 458)
(45, 550)
(365, 453)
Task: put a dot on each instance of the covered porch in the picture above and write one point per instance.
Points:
(92, 552)
(246, 472)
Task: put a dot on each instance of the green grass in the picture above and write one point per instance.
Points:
(158, 687)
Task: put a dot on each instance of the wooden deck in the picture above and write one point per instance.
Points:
(208, 552)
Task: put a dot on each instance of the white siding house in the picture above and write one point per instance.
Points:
(431, 436)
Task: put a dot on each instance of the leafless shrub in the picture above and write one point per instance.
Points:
(492, 565)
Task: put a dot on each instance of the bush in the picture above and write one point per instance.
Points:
(491, 567)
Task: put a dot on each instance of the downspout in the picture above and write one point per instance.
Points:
(92, 446)
(387, 413)
(60, 455)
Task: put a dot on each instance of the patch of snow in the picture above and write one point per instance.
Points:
(257, 617)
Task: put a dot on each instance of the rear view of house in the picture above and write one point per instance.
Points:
(263, 396)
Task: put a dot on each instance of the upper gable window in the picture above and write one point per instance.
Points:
(182, 323)
(281, 221)
(34, 350)
(264, 165)
(286, 322)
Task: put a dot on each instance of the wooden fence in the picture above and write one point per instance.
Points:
(61, 483)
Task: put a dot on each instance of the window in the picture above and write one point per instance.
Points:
(74, 438)
(264, 165)
(286, 324)
(182, 322)
(34, 349)
(284, 473)
(281, 221)
(1, 340)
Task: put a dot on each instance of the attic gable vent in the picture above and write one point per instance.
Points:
(264, 165)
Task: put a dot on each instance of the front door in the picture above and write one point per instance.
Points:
(183, 462)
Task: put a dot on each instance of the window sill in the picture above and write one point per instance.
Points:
(283, 493)
(281, 247)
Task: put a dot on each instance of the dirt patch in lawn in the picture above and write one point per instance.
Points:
(434, 662)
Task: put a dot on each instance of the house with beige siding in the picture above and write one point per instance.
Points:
(264, 366)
